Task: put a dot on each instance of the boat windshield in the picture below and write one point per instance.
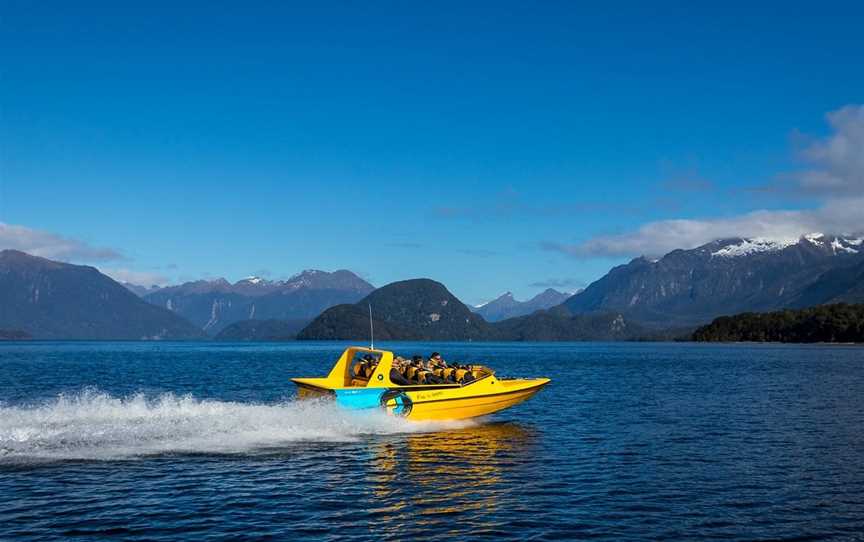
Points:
(361, 367)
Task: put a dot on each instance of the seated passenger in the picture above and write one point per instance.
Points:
(429, 375)
(438, 366)
(437, 361)
(396, 374)
(415, 368)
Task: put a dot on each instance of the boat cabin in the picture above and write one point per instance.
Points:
(360, 367)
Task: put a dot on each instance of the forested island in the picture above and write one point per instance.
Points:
(838, 323)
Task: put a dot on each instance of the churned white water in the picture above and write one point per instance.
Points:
(95, 425)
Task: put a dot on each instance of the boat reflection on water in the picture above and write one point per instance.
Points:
(439, 478)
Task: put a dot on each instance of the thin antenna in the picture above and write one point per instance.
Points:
(371, 330)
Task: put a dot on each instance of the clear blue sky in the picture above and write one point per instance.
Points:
(466, 142)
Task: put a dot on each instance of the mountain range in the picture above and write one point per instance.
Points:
(692, 287)
(213, 305)
(424, 310)
(644, 298)
(506, 306)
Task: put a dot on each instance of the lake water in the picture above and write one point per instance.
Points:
(157, 441)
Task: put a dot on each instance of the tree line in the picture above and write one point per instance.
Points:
(841, 322)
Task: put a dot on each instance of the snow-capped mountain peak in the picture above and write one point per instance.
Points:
(756, 245)
(816, 238)
(251, 280)
(745, 247)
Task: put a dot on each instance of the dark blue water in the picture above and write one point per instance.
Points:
(158, 441)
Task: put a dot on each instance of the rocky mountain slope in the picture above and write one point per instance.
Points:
(688, 287)
(506, 306)
(842, 284)
(54, 300)
(215, 304)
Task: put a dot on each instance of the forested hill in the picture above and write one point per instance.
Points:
(841, 323)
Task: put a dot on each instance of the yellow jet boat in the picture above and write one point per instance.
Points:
(356, 383)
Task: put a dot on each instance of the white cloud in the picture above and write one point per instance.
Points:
(835, 179)
(52, 246)
(657, 238)
(838, 161)
(58, 247)
(141, 278)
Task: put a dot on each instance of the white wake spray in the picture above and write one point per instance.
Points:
(94, 425)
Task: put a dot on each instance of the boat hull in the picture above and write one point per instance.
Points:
(458, 408)
(421, 403)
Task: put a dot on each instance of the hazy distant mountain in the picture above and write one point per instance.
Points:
(506, 306)
(53, 300)
(643, 298)
(262, 330)
(419, 309)
(730, 276)
(139, 290)
(215, 304)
